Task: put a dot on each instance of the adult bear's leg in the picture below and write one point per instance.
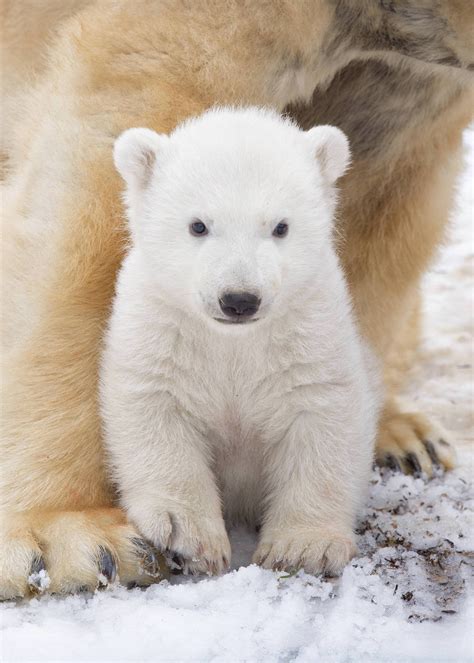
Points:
(57, 514)
(395, 205)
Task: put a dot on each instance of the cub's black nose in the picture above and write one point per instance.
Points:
(239, 304)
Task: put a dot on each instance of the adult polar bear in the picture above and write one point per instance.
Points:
(393, 75)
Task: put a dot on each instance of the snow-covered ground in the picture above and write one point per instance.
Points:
(407, 597)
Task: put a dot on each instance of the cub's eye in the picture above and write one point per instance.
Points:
(198, 228)
(280, 230)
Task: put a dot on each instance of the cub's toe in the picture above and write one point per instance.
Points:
(191, 542)
(314, 551)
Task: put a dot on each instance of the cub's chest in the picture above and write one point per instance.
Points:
(224, 383)
(238, 385)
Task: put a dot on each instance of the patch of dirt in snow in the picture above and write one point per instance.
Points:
(406, 597)
(418, 539)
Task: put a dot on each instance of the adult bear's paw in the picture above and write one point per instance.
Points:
(409, 442)
(69, 551)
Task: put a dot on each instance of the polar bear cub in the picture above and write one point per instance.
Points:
(234, 385)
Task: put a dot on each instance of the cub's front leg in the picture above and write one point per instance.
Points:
(159, 462)
(317, 478)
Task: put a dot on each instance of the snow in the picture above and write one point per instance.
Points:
(40, 580)
(406, 597)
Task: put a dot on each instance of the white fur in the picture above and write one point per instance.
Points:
(271, 422)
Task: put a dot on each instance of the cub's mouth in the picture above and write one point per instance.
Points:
(236, 321)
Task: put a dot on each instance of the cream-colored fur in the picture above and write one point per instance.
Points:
(153, 63)
(27, 27)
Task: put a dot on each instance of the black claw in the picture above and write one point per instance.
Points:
(36, 578)
(392, 462)
(413, 463)
(136, 585)
(176, 564)
(37, 565)
(148, 557)
(443, 442)
(107, 567)
(430, 448)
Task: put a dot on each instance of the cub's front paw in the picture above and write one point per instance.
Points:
(314, 550)
(194, 542)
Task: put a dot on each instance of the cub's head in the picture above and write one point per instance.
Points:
(232, 212)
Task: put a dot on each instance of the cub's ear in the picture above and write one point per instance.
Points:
(135, 155)
(331, 149)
